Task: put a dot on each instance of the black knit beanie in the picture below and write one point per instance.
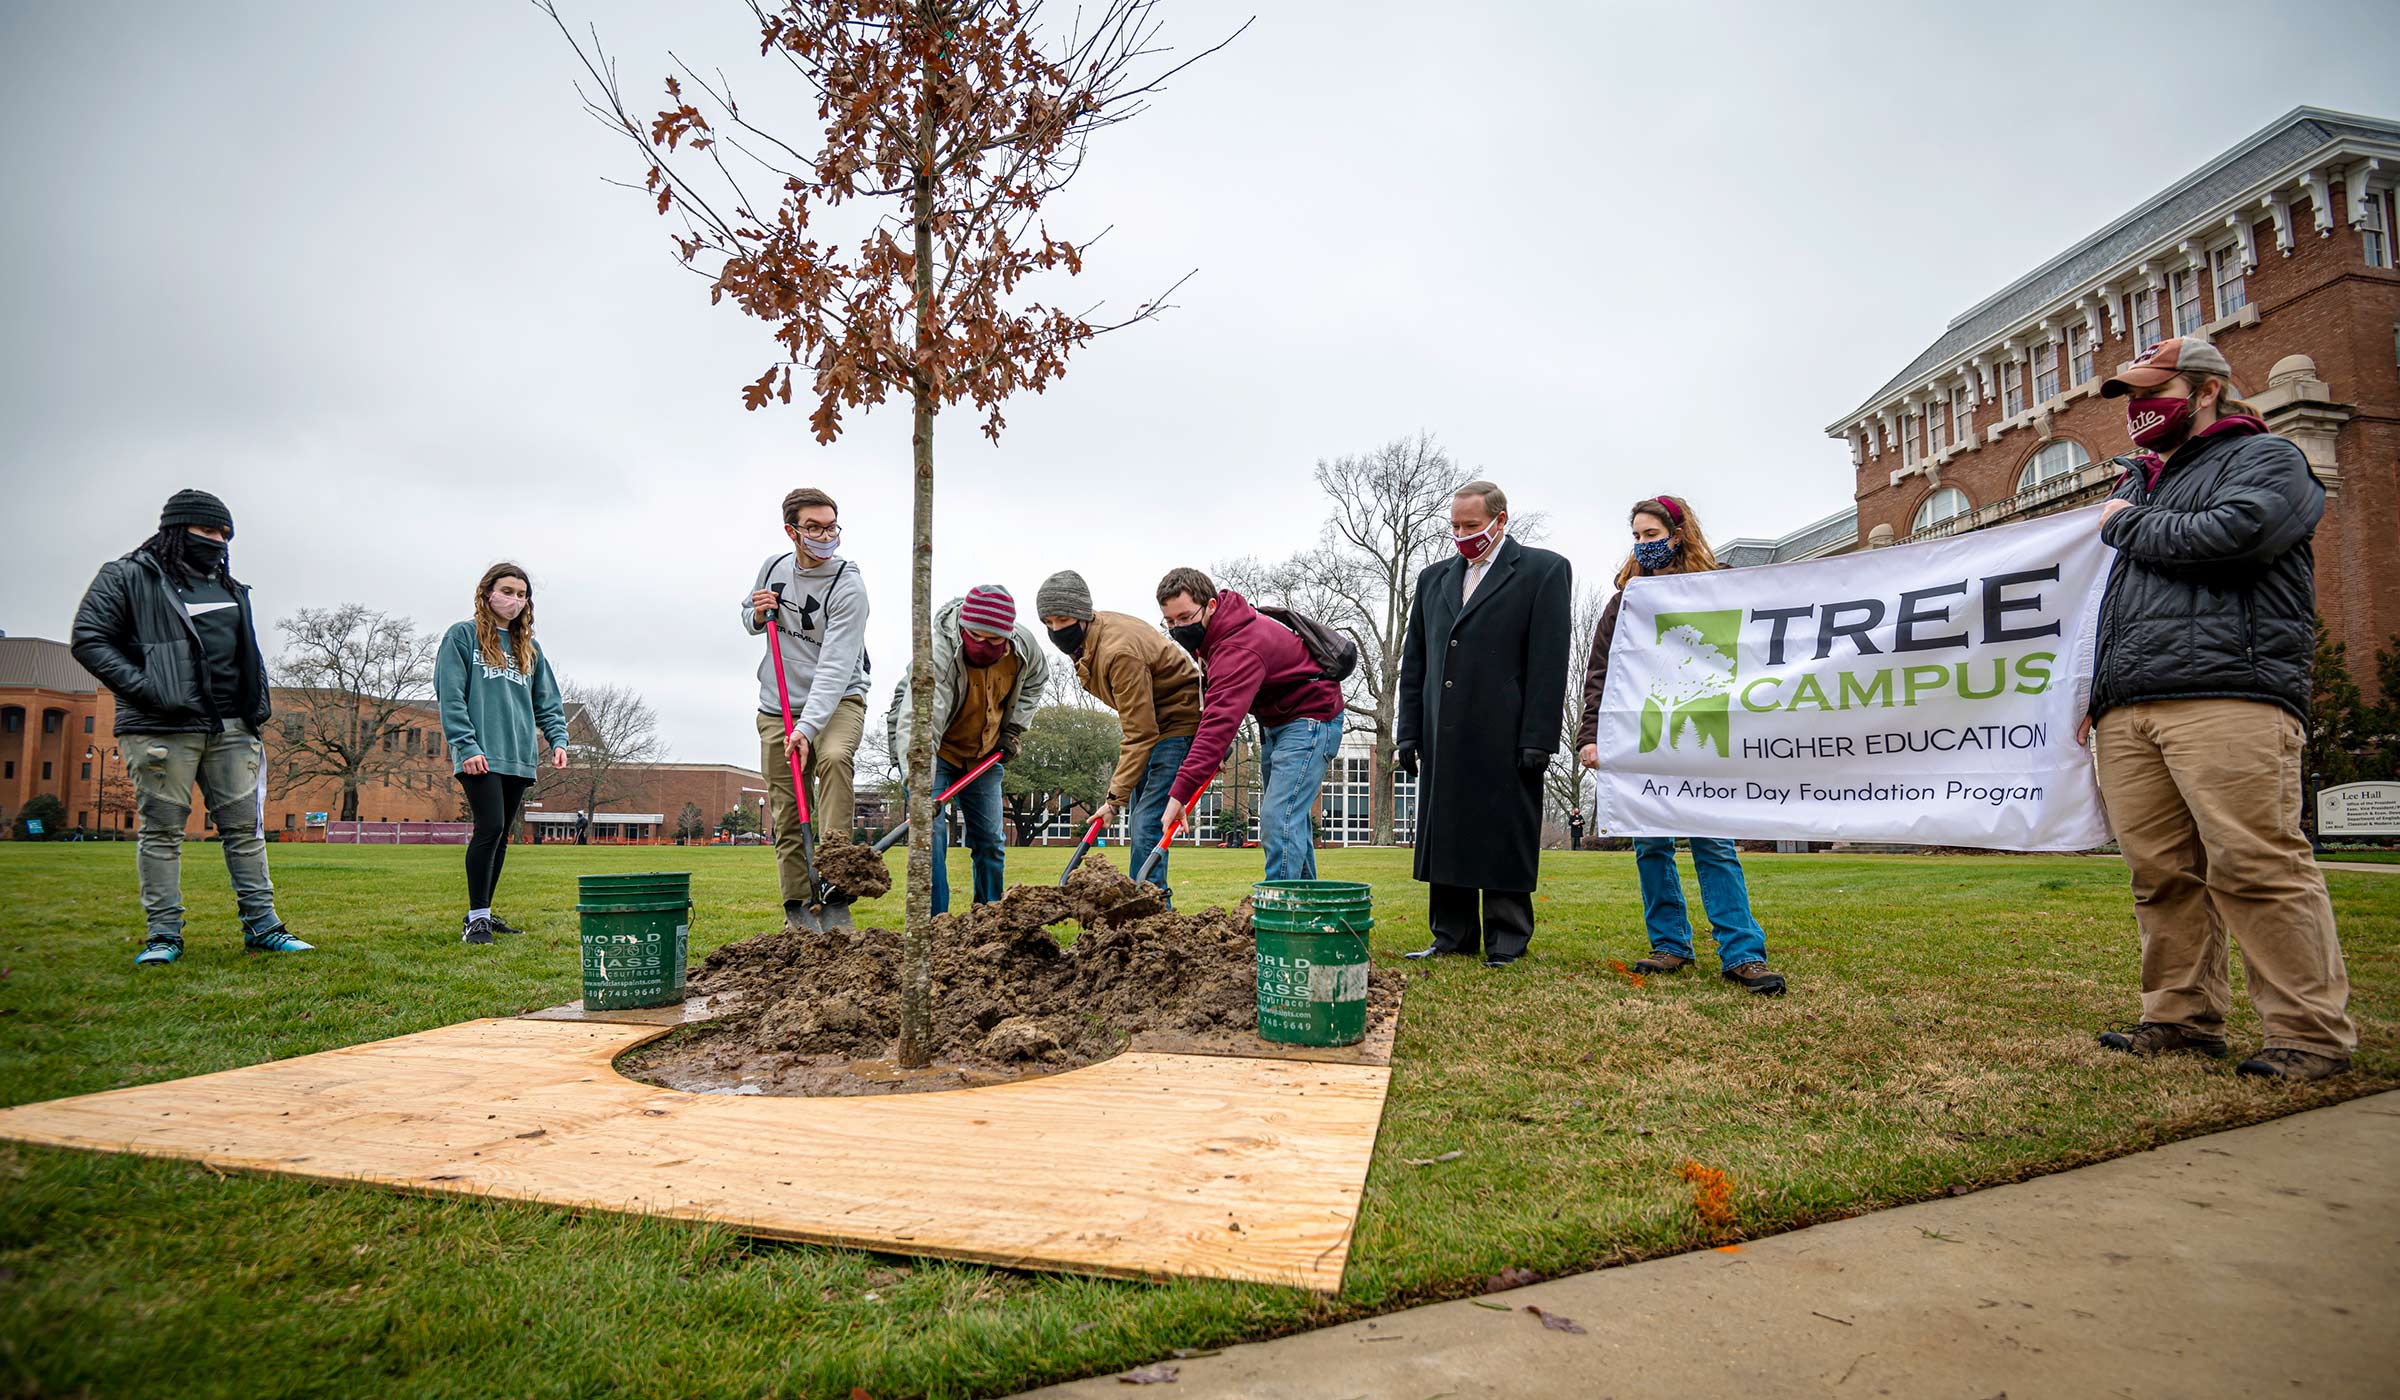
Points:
(195, 508)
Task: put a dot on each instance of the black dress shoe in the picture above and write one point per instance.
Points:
(1437, 951)
(1497, 961)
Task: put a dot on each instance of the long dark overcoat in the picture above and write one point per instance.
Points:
(1479, 685)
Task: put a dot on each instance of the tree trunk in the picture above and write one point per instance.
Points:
(916, 935)
(1383, 796)
(349, 799)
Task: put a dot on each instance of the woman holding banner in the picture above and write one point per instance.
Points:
(1667, 539)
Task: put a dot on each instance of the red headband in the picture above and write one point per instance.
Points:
(1673, 509)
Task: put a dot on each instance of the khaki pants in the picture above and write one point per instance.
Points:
(832, 761)
(2205, 799)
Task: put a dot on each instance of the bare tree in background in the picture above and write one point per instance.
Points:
(1390, 518)
(611, 730)
(1565, 779)
(948, 123)
(353, 687)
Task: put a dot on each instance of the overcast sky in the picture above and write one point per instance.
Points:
(354, 268)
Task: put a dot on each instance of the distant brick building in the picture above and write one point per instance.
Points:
(2281, 252)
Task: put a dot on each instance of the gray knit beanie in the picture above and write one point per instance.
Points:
(1063, 594)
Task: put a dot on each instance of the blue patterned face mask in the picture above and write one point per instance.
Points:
(1654, 555)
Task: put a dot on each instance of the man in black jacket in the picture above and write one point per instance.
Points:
(169, 632)
(2200, 694)
(1483, 685)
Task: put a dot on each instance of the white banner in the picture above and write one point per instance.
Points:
(1925, 694)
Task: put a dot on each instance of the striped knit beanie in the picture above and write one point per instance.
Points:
(989, 608)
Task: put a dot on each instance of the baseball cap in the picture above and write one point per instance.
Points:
(2185, 354)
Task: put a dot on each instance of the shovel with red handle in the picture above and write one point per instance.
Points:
(808, 916)
(1082, 848)
(1154, 900)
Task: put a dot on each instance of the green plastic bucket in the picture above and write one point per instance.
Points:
(1312, 959)
(636, 932)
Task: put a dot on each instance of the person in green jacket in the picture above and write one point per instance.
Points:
(498, 698)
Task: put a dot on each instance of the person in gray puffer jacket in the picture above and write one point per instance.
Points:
(2200, 700)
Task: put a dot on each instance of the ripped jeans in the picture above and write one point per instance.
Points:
(229, 766)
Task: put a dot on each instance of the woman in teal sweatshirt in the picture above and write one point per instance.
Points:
(500, 711)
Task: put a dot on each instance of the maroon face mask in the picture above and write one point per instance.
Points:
(980, 650)
(2157, 422)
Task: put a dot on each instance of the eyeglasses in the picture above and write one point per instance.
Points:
(816, 531)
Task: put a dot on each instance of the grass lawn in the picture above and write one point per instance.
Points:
(1938, 1035)
(2380, 857)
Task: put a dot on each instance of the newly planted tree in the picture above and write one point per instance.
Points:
(895, 253)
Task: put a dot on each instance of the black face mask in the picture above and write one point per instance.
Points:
(203, 556)
(1189, 635)
(1068, 639)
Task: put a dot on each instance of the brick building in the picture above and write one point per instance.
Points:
(2281, 252)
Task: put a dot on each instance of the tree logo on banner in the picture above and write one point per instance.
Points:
(1702, 650)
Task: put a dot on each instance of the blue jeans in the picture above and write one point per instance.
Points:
(1146, 809)
(1722, 892)
(980, 801)
(1292, 759)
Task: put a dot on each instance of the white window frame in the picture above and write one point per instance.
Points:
(2231, 284)
(2081, 355)
(1912, 446)
(2178, 282)
(2045, 371)
(2012, 388)
(1924, 519)
(1937, 429)
(1962, 416)
(2375, 230)
(2062, 457)
(2149, 319)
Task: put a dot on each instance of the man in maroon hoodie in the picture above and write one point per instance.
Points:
(1253, 665)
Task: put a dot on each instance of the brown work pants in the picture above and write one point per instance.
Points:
(832, 762)
(2205, 799)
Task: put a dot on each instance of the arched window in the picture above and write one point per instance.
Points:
(2061, 458)
(1945, 504)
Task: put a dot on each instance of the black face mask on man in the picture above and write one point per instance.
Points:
(1068, 639)
(203, 555)
(1189, 635)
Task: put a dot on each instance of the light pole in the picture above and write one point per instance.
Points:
(100, 761)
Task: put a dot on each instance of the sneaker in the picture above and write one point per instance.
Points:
(500, 925)
(159, 952)
(2159, 1038)
(1662, 964)
(275, 940)
(478, 931)
(1754, 977)
(2292, 1064)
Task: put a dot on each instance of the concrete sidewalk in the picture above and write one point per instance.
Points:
(2263, 1261)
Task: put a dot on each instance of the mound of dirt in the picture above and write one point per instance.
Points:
(817, 1012)
(853, 869)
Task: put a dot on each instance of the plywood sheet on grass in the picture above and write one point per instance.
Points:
(1147, 1165)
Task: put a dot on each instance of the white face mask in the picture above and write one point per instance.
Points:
(822, 550)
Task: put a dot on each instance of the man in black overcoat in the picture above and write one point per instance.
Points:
(1483, 685)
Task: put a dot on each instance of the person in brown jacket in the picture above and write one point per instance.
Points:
(1153, 686)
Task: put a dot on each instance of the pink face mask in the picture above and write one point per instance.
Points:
(1473, 546)
(506, 605)
(980, 650)
(2154, 422)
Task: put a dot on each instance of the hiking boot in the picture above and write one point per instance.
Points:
(2159, 1038)
(2292, 1064)
(478, 931)
(275, 940)
(1754, 977)
(500, 925)
(158, 952)
(1662, 964)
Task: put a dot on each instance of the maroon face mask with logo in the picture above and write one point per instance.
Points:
(980, 650)
(2157, 422)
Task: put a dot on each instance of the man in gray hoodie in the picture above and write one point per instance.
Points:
(818, 606)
